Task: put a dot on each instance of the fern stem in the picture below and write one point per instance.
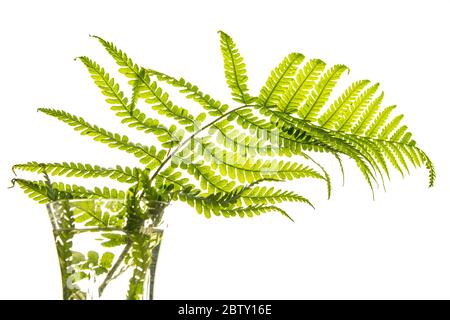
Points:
(111, 272)
(192, 136)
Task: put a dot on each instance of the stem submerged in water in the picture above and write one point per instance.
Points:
(111, 272)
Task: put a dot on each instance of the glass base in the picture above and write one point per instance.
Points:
(106, 248)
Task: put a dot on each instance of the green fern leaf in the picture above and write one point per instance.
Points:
(208, 179)
(39, 191)
(171, 177)
(429, 165)
(412, 153)
(332, 115)
(367, 116)
(320, 94)
(149, 90)
(398, 135)
(125, 175)
(379, 121)
(219, 178)
(326, 141)
(279, 80)
(81, 192)
(399, 155)
(298, 90)
(353, 112)
(235, 70)
(264, 195)
(245, 169)
(391, 126)
(128, 111)
(147, 156)
(390, 156)
(371, 152)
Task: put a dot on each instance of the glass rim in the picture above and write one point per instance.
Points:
(97, 199)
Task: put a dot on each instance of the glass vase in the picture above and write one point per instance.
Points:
(107, 248)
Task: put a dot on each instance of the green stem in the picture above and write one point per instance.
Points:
(77, 231)
(114, 268)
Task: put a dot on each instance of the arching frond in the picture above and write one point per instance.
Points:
(215, 167)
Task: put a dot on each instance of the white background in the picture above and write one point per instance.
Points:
(349, 247)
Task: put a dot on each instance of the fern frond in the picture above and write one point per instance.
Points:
(131, 115)
(371, 152)
(429, 165)
(332, 115)
(208, 179)
(241, 142)
(125, 175)
(235, 70)
(160, 102)
(207, 208)
(399, 155)
(262, 131)
(81, 192)
(320, 94)
(149, 90)
(264, 195)
(279, 80)
(379, 121)
(251, 211)
(388, 128)
(325, 173)
(297, 127)
(298, 90)
(216, 200)
(367, 116)
(399, 134)
(39, 191)
(226, 133)
(220, 178)
(147, 155)
(390, 156)
(353, 112)
(248, 170)
(410, 153)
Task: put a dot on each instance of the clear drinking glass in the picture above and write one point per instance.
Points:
(107, 248)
